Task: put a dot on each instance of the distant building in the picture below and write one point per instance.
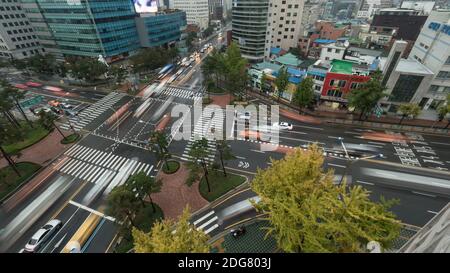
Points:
(341, 78)
(18, 39)
(90, 29)
(394, 24)
(161, 29)
(432, 49)
(249, 26)
(197, 12)
(368, 8)
(424, 7)
(312, 12)
(332, 52)
(284, 26)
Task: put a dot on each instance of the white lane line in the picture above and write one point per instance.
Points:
(432, 212)
(240, 157)
(92, 210)
(333, 137)
(211, 228)
(377, 143)
(258, 151)
(441, 143)
(353, 133)
(308, 127)
(362, 182)
(207, 223)
(424, 194)
(203, 217)
(336, 165)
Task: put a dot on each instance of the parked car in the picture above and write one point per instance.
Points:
(42, 235)
(282, 126)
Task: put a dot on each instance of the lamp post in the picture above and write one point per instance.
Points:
(349, 162)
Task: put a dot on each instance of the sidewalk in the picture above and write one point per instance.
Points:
(41, 152)
(175, 194)
(343, 117)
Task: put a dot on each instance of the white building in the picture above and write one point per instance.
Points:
(425, 7)
(312, 11)
(368, 8)
(331, 52)
(284, 26)
(197, 11)
(432, 48)
(17, 37)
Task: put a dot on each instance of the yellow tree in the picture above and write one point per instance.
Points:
(168, 236)
(308, 213)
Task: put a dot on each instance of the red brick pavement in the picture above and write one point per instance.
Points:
(221, 100)
(175, 194)
(41, 152)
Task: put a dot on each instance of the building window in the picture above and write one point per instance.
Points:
(405, 88)
(434, 88)
(448, 60)
(329, 50)
(354, 85)
(338, 51)
(331, 82)
(342, 83)
(443, 75)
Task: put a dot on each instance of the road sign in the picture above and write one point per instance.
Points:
(32, 101)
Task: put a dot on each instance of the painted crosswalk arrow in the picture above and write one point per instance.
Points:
(244, 164)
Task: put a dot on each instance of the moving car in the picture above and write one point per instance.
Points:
(54, 103)
(42, 235)
(66, 105)
(282, 126)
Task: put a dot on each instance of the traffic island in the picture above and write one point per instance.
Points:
(171, 167)
(10, 181)
(70, 139)
(219, 184)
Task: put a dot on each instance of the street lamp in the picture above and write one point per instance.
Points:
(349, 162)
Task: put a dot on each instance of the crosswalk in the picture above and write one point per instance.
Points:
(203, 128)
(207, 222)
(92, 112)
(91, 164)
(181, 93)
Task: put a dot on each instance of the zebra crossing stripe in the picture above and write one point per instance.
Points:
(94, 173)
(207, 223)
(67, 165)
(76, 167)
(96, 155)
(151, 168)
(112, 161)
(79, 151)
(102, 171)
(106, 160)
(86, 172)
(71, 151)
(86, 154)
(211, 228)
(120, 163)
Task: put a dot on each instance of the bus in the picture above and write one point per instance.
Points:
(82, 235)
(52, 88)
(165, 70)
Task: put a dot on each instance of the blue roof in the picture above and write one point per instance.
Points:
(275, 50)
(324, 41)
(295, 80)
(296, 72)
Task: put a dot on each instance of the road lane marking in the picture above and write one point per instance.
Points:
(231, 196)
(377, 143)
(362, 182)
(203, 217)
(56, 235)
(440, 143)
(207, 223)
(353, 133)
(112, 219)
(432, 212)
(244, 220)
(424, 194)
(336, 165)
(240, 157)
(70, 198)
(308, 127)
(257, 151)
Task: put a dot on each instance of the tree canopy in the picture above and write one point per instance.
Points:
(282, 81)
(366, 96)
(308, 213)
(168, 236)
(304, 95)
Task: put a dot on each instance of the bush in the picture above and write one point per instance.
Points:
(171, 167)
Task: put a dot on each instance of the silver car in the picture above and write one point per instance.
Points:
(42, 235)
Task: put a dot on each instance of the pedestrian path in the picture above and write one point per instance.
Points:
(207, 222)
(89, 114)
(181, 93)
(91, 164)
(202, 129)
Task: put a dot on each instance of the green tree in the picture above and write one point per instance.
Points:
(308, 213)
(144, 185)
(6, 106)
(9, 134)
(224, 153)
(15, 96)
(119, 73)
(234, 69)
(304, 95)
(282, 82)
(263, 82)
(208, 31)
(365, 97)
(47, 120)
(122, 203)
(42, 64)
(86, 68)
(168, 236)
(150, 58)
(160, 143)
(409, 109)
(190, 40)
(198, 157)
(444, 110)
(296, 51)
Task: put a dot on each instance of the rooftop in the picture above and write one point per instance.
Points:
(288, 59)
(324, 41)
(343, 67)
(409, 66)
(365, 51)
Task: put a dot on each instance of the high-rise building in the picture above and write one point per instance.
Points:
(86, 27)
(215, 9)
(312, 12)
(249, 27)
(284, 26)
(162, 28)
(197, 11)
(432, 49)
(18, 40)
(369, 7)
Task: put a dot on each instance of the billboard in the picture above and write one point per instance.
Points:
(142, 6)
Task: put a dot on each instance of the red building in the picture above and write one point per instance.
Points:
(342, 77)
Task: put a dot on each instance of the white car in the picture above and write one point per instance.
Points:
(42, 235)
(282, 126)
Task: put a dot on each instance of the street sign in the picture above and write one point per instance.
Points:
(32, 101)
